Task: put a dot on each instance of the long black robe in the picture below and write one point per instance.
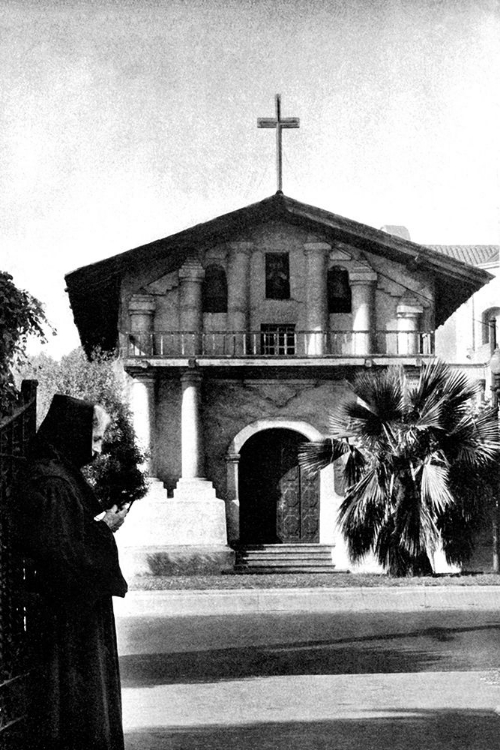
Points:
(77, 701)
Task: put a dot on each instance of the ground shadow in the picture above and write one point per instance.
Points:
(406, 730)
(369, 654)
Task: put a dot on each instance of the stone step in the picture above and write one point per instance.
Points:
(279, 550)
(285, 561)
(273, 547)
(285, 569)
(249, 556)
(284, 558)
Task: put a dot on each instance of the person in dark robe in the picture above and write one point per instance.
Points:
(62, 527)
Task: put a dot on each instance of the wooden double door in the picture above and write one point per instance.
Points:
(279, 503)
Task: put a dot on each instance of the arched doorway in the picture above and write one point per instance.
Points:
(278, 502)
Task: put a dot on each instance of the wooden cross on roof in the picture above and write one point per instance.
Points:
(279, 123)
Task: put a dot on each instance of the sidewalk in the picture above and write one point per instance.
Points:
(179, 603)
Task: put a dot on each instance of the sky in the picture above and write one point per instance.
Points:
(129, 120)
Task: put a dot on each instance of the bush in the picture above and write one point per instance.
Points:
(21, 315)
(116, 475)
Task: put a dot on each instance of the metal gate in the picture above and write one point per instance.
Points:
(15, 432)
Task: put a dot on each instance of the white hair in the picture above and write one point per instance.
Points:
(101, 417)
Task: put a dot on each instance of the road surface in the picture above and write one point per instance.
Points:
(357, 681)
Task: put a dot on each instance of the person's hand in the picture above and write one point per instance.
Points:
(114, 517)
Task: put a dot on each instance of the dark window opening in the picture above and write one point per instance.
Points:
(215, 290)
(277, 276)
(339, 290)
(278, 339)
(490, 325)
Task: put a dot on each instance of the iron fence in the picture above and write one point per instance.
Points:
(15, 432)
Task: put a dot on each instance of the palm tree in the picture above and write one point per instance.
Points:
(412, 456)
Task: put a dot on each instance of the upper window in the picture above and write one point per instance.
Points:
(491, 320)
(215, 289)
(339, 290)
(278, 338)
(277, 276)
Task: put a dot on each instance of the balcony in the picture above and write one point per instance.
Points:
(282, 343)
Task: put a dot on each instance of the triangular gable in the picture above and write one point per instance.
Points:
(94, 290)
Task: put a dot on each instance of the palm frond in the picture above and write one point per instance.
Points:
(434, 487)
(318, 454)
(415, 526)
(429, 415)
(361, 515)
(438, 380)
(339, 423)
(475, 440)
(354, 463)
(459, 388)
(430, 381)
(382, 392)
(487, 429)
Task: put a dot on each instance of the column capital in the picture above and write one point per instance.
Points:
(191, 376)
(362, 273)
(192, 270)
(409, 307)
(317, 247)
(142, 304)
(146, 377)
(232, 458)
(241, 247)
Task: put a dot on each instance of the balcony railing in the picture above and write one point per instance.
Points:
(298, 344)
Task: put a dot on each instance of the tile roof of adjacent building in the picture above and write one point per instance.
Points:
(474, 255)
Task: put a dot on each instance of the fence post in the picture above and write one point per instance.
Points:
(15, 618)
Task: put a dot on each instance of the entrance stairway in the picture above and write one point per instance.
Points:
(284, 558)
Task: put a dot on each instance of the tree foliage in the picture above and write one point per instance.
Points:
(116, 475)
(413, 458)
(21, 316)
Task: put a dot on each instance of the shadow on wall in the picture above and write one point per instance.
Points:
(404, 730)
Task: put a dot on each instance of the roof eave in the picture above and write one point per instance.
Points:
(97, 285)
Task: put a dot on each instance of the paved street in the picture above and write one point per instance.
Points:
(350, 680)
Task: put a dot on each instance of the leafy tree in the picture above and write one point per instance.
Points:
(413, 457)
(116, 475)
(21, 316)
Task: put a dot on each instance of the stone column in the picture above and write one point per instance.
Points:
(363, 281)
(193, 522)
(238, 291)
(316, 296)
(143, 414)
(408, 314)
(191, 276)
(233, 499)
(192, 443)
(192, 481)
(141, 310)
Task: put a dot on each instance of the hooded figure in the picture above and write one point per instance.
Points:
(60, 526)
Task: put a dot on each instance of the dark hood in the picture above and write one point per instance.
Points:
(68, 429)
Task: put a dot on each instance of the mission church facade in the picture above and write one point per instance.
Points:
(239, 336)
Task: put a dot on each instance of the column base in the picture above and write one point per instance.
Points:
(196, 513)
(194, 519)
(147, 563)
(197, 488)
